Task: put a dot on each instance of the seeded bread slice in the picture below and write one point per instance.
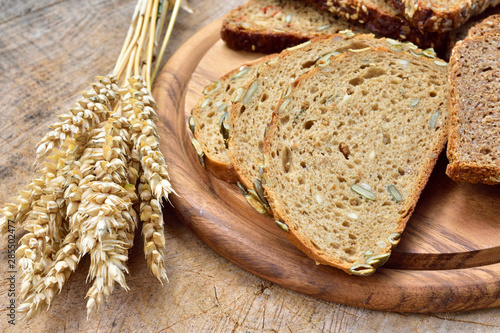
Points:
(252, 114)
(474, 139)
(270, 26)
(208, 119)
(441, 15)
(349, 152)
(383, 19)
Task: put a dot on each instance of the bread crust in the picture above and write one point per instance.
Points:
(460, 169)
(268, 40)
(219, 165)
(259, 41)
(426, 17)
(304, 244)
(384, 23)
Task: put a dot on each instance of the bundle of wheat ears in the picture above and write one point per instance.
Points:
(102, 175)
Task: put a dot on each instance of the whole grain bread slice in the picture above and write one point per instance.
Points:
(441, 15)
(208, 120)
(270, 26)
(474, 138)
(251, 115)
(349, 151)
(383, 19)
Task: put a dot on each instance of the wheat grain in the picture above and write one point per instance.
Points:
(152, 230)
(87, 113)
(139, 110)
(83, 199)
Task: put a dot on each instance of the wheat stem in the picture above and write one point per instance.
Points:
(170, 28)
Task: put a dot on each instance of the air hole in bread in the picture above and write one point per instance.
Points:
(303, 164)
(285, 120)
(308, 124)
(349, 251)
(485, 151)
(344, 149)
(242, 109)
(286, 159)
(433, 94)
(386, 138)
(356, 45)
(374, 72)
(356, 81)
(354, 202)
(264, 97)
(346, 224)
(308, 64)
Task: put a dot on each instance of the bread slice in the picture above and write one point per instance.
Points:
(350, 150)
(270, 26)
(212, 109)
(441, 15)
(382, 18)
(474, 138)
(250, 116)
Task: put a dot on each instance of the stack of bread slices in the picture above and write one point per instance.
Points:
(269, 26)
(335, 138)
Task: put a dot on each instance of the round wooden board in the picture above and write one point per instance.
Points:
(449, 255)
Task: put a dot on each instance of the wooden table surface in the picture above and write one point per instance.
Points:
(50, 50)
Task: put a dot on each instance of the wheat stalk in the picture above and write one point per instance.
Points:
(94, 157)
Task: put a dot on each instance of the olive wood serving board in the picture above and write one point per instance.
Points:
(449, 255)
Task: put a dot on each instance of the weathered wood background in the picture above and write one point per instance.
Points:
(51, 50)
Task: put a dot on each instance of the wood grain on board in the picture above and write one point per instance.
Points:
(449, 256)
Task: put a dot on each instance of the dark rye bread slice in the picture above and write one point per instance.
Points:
(474, 138)
(441, 15)
(383, 19)
(207, 117)
(250, 116)
(349, 152)
(270, 26)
